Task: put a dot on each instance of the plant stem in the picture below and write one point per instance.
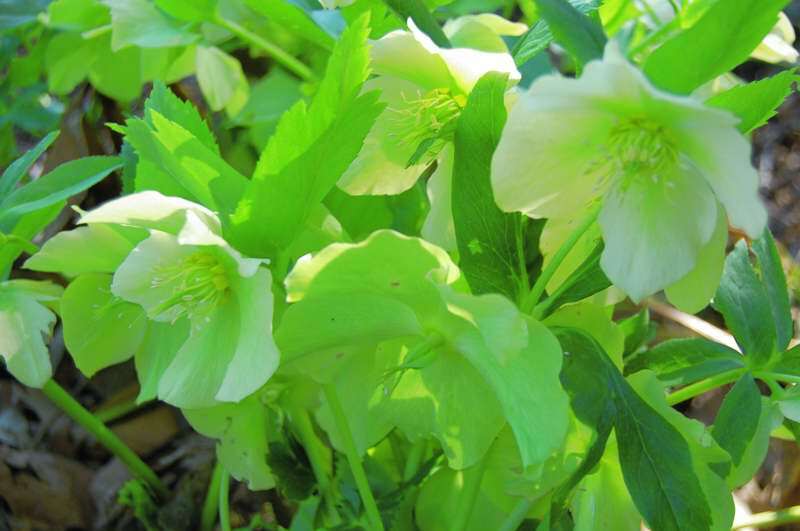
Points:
(517, 515)
(224, 507)
(104, 436)
(353, 458)
(771, 519)
(211, 503)
(314, 450)
(473, 476)
(767, 375)
(414, 459)
(541, 283)
(703, 386)
(519, 237)
(280, 55)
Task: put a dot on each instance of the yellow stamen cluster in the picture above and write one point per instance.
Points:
(197, 284)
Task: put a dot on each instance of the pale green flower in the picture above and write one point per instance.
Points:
(425, 87)
(211, 307)
(25, 324)
(661, 165)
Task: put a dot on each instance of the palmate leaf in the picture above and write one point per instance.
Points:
(309, 151)
(723, 37)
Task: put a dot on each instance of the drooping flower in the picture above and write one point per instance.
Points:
(425, 87)
(25, 323)
(191, 284)
(661, 165)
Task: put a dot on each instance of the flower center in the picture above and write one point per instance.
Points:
(639, 147)
(196, 285)
(426, 122)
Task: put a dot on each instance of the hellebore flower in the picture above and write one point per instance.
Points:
(661, 165)
(25, 322)
(425, 87)
(211, 307)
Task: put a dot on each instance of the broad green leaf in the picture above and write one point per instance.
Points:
(189, 10)
(579, 34)
(140, 23)
(539, 36)
(774, 280)
(68, 59)
(594, 320)
(75, 252)
(489, 240)
(100, 330)
(602, 500)
(684, 361)
(309, 151)
(26, 228)
(724, 36)
(694, 291)
(221, 80)
(58, 185)
(117, 74)
(164, 102)
(586, 280)
(360, 215)
(355, 319)
(15, 13)
(77, 15)
(520, 361)
(243, 432)
(175, 162)
(417, 11)
(386, 264)
(19, 168)
(638, 331)
(25, 326)
(292, 17)
(742, 428)
(756, 102)
(744, 303)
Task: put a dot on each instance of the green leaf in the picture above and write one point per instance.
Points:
(742, 424)
(176, 163)
(117, 74)
(594, 320)
(189, 10)
(654, 455)
(743, 301)
(221, 80)
(74, 252)
(309, 152)
(539, 36)
(243, 431)
(140, 23)
(292, 17)
(586, 280)
(489, 240)
(579, 34)
(756, 102)
(25, 326)
(100, 330)
(68, 59)
(164, 102)
(723, 37)
(684, 361)
(77, 15)
(159, 345)
(774, 280)
(19, 168)
(424, 19)
(62, 183)
(15, 13)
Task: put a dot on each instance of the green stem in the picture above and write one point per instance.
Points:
(768, 375)
(211, 503)
(104, 436)
(473, 476)
(315, 450)
(517, 515)
(519, 236)
(771, 519)
(541, 283)
(353, 458)
(280, 55)
(414, 459)
(703, 386)
(117, 411)
(224, 507)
